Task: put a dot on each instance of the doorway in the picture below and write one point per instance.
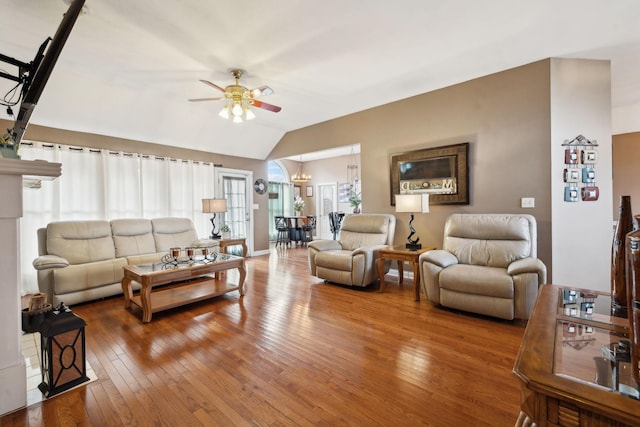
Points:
(328, 202)
(234, 185)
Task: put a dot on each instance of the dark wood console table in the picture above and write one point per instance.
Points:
(570, 332)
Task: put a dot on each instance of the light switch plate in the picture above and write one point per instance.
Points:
(527, 202)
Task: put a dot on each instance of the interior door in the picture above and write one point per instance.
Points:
(327, 202)
(235, 186)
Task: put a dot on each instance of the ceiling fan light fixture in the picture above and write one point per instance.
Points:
(224, 113)
(239, 99)
(237, 109)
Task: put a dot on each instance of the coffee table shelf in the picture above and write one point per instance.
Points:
(186, 293)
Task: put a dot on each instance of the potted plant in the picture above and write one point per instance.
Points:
(225, 230)
(354, 201)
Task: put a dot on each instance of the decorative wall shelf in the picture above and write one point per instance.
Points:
(579, 174)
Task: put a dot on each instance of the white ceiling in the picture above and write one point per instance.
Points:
(129, 67)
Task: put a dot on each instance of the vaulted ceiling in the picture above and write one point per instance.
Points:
(129, 67)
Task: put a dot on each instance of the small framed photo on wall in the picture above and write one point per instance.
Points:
(309, 190)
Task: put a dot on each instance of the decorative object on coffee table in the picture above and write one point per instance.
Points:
(214, 206)
(188, 256)
(618, 261)
(412, 203)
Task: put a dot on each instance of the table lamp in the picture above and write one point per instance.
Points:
(214, 206)
(412, 203)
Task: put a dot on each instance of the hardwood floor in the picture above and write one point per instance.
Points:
(292, 351)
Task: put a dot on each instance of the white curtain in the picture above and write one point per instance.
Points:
(101, 184)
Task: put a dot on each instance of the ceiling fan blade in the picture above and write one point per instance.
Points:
(264, 105)
(203, 99)
(213, 85)
(260, 91)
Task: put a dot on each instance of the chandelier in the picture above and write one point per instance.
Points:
(352, 169)
(238, 101)
(300, 176)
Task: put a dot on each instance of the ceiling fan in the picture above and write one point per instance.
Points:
(239, 99)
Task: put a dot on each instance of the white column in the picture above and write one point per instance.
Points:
(13, 382)
(582, 231)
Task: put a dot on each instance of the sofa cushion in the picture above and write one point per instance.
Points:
(88, 276)
(336, 260)
(478, 280)
(132, 237)
(173, 232)
(80, 241)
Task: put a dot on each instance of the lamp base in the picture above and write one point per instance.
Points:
(414, 246)
(215, 236)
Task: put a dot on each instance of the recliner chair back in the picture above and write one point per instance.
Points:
(490, 240)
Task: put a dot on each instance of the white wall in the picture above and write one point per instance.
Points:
(581, 231)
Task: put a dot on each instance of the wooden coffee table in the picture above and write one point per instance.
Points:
(191, 283)
(401, 254)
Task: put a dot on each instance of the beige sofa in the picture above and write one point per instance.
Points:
(82, 260)
(352, 260)
(487, 265)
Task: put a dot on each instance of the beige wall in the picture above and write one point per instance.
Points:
(505, 117)
(82, 139)
(626, 173)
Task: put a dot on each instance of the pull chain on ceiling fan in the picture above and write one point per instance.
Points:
(239, 99)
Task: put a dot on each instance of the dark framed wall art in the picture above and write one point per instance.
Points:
(443, 172)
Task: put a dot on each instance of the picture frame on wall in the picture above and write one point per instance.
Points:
(297, 191)
(309, 190)
(442, 172)
(344, 191)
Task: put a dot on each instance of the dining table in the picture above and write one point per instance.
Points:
(296, 233)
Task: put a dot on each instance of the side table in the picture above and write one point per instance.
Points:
(232, 241)
(400, 254)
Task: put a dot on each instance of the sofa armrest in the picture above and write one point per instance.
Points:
(46, 262)
(439, 257)
(206, 243)
(527, 274)
(431, 263)
(528, 265)
(367, 250)
(325, 245)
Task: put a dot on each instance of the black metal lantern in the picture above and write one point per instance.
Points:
(63, 356)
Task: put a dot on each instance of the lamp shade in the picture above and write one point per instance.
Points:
(412, 203)
(214, 205)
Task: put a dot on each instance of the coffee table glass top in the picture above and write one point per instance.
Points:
(182, 263)
(597, 356)
(594, 346)
(591, 306)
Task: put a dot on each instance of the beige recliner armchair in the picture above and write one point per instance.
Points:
(487, 265)
(352, 259)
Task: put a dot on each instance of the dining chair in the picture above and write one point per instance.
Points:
(282, 229)
(309, 227)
